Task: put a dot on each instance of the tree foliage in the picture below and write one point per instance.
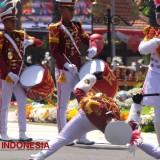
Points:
(147, 8)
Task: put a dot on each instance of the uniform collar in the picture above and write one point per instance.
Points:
(67, 24)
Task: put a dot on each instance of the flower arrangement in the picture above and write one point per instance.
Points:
(28, 110)
(124, 98)
(124, 116)
(71, 113)
(147, 121)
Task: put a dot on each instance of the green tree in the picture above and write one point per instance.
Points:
(147, 8)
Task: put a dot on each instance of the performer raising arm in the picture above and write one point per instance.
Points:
(151, 45)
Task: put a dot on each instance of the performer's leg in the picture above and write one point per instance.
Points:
(78, 126)
(150, 148)
(7, 89)
(82, 139)
(21, 100)
(157, 121)
(63, 93)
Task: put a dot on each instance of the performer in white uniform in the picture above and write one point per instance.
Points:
(65, 51)
(151, 45)
(93, 116)
(11, 64)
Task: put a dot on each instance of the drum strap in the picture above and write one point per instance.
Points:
(14, 44)
(71, 37)
(17, 50)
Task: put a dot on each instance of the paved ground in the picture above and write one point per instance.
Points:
(100, 150)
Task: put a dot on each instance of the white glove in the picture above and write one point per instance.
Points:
(14, 77)
(71, 68)
(92, 52)
(27, 43)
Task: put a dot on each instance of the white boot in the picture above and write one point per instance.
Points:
(23, 137)
(84, 140)
(157, 129)
(5, 137)
(38, 156)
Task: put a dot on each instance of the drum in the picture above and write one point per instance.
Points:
(37, 82)
(107, 85)
(118, 133)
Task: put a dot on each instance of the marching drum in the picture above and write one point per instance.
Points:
(118, 133)
(37, 82)
(107, 85)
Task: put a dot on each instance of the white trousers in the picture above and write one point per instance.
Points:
(150, 148)
(63, 92)
(7, 90)
(75, 128)
(151, 85)
(80, 125)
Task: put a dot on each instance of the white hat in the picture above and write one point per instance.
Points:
(10, 12)
(66, 2)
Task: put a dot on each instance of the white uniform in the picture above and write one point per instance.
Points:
(80, 125)
(151, 84)
(63, 92)
(7, 90)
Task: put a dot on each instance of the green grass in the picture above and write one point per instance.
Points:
(13, 108)
(145, 110)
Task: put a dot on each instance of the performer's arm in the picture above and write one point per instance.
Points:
(147, 47)
(85, 38)
(84, 86)
(54, 45)
(29, 40)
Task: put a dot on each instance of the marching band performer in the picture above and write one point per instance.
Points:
(12, 43)
(64, 38)
(96, 112)
(151, 45)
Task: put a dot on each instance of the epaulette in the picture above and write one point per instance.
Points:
(20, 32)
(1, 39)
(1, 33)
(54, 25)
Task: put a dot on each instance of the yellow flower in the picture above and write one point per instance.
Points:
(124, 116)
(71, 113)
(28, 110)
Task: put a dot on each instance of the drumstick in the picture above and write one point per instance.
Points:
(67, 59)
(87, 58)
(24, 49)
(153, 94)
